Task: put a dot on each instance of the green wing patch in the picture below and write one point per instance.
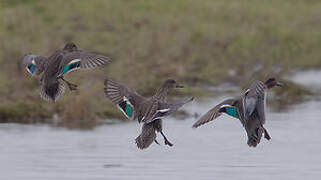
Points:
(73, 65)
(126, 107)
(232, 111)
(129, 110)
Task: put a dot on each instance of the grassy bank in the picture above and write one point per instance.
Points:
(198, 43)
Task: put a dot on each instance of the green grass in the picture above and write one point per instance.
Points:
(195, 42)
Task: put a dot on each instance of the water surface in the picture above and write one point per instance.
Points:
(215, 151)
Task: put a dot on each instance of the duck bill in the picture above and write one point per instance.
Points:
(179, 86)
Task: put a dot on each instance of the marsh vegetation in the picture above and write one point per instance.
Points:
(200, 44)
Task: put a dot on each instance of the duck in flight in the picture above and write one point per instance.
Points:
(148, 111)
(249, 109)
(53, 68)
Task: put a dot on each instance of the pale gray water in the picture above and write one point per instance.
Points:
(215, 151)
(309, 78)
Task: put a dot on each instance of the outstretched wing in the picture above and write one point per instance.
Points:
(83, 60)
(254, 100)
(87, 59)
(213, 113)
(124, 98)
(34, 64)
(165, 109)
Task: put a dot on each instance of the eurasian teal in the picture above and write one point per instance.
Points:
(149, 111)
(59, 64)
(249, 109)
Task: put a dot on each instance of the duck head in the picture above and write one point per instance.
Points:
(272, 82)
(70, 47)
(171, 84)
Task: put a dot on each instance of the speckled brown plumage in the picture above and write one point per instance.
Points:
(146, 110)
(52, 68)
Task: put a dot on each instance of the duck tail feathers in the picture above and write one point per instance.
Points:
(52, 92)
(147, 136)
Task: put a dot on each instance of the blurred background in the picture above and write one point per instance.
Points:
(216, 48)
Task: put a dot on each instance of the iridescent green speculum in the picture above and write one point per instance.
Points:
(126, 108)
(71, 66)
(129, 110)
(232, 111)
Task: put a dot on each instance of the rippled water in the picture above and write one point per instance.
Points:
(215, 151)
